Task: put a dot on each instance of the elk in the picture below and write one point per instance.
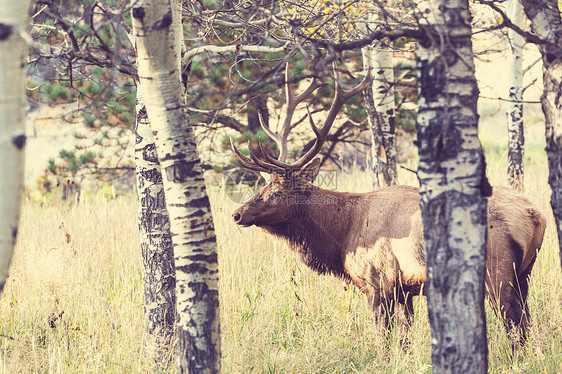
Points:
(376, 240)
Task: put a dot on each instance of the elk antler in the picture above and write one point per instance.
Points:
(292, 102)
(271, 165)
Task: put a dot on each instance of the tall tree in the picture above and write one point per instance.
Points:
(156, 243)
(516, 137)
(547, 25)
(159, 278)
(13, 53)
(158, 37)
(372, 121)
(383, 95)
(452, 188)
(379, 102)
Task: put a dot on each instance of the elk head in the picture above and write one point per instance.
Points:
(290, 184)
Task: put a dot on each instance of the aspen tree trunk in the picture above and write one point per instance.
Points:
(156, 243)
(452, 188)
(13, 51)
(373, 122)
(379, 101)
(516, 137)
(383, 95)
(158, 38)
(546, 23)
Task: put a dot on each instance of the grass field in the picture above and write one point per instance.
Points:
(74, 304)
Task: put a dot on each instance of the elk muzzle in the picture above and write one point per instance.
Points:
(241, 217)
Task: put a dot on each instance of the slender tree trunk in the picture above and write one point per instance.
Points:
(156, 244)
(379, 101)
(546, 23)
(383, 95)
(158, 39)
(516, 138)
(13, 52)
(373, 122)
(452, 188)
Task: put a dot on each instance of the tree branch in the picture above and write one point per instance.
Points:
(189, 55)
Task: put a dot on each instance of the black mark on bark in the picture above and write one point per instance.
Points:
(139, 12)
(163, 22)
(19, 141)
(5, 31)
(181, 170)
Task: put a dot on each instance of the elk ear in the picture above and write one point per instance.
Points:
(310, 171)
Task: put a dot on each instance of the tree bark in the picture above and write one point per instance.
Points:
(516, 137)
(379, 101)
(13, 52)
(546, 23)
(383, 95)
(156, 244)
(158, 38)
(452, 188)
(373, 122)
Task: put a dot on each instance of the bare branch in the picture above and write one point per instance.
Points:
(189, 55)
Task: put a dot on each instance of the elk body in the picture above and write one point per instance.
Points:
(375, 240)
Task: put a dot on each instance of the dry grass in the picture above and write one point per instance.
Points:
(74, 302)
(74, 299)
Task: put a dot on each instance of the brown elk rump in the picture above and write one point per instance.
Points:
(375, 240)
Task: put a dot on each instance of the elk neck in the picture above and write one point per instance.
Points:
(320, 227)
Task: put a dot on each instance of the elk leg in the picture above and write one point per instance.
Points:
(382, 306)
(507, 292)
(514, 314)
(404, 309)
(509, 304)
(389, 305)
(383, 290)
(520, 318)
(406, 313)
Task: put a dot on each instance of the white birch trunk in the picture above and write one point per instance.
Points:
(546, 23)
(13, 53)
(452, 188)
(383, 95)
(373, 121)
(379, 102)
(158, 38)
(516, 137)
(156, 244)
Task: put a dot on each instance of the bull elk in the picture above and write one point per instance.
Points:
(375, 239)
